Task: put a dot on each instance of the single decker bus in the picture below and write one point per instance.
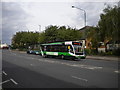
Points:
(72, 49)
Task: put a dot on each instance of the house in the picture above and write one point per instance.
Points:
(87, 42)
(110, 46)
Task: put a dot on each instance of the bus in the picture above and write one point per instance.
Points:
(71, 49)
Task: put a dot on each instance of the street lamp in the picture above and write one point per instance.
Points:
(84, 14)
(39, 28)
(39, 32)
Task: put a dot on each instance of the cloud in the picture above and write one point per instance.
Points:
(17, 16)
(13, 17)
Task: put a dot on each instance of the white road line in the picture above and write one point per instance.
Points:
(13, 53)
(79, 78)
(74, 65)
(4, 73)
(14, 81)
(4, 82)
(116, 71)
(31, 64)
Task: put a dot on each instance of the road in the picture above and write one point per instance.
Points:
(21, 70)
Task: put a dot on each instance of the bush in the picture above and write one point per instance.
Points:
(87, 51)
(91, 52)
(22, 49)
(94, 52)
(116, 52)
(109, 53)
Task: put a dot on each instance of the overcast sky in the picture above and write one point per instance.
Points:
(26, 15)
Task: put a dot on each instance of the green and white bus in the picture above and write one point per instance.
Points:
(72, 49)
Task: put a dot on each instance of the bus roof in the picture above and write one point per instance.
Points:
(59, 43)
(55, 43)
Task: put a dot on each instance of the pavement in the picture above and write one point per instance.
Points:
(108, 58)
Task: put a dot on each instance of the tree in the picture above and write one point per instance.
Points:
(51, 33)
(24, 39)
(109, 24)
(92, 35)
(42, 38)
(55, 33)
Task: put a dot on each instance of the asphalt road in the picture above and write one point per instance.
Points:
(21, 70)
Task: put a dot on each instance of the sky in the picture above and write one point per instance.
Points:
(36, 15)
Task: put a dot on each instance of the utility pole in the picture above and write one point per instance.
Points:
(84, 14)
(39, 33)
(39, 28)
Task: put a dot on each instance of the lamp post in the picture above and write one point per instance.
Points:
(84, 14)
(39, 32)
(39, 28)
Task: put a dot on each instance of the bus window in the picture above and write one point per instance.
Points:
(45, 48)
(78, 48)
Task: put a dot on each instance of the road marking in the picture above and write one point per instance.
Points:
(13, 53)
(4, 72)
(14, 81)
(4, 82)
(32, 58)
(31, 64)
(83, 66)
(116, 71)
(73, 65)
(79, 78)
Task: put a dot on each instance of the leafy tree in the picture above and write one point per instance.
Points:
(24, 39)
(55, 33)
(92, 35)
(109, 24)
(51, 33)
(42, 38)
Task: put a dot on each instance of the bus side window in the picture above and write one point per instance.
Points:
(60, 48)
(66, 49)
(45, 48)
(48, 48)
(42, 47)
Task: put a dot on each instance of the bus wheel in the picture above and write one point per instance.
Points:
(45, 56)
(73, 58)
(63, 57)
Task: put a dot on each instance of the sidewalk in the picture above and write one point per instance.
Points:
(108, 58)
(18, 51)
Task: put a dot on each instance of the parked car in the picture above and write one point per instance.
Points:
(37, 52)
(30, 52)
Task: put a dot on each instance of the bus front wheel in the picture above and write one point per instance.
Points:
(62, 56)
(45, 56)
